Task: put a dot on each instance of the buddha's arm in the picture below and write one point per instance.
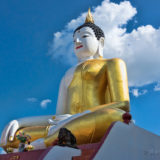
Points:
(117, 83)
(34, 121)
(61, 103)
(62, 96)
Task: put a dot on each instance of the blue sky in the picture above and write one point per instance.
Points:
(31, 68)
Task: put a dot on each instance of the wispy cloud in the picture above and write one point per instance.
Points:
(32, 99)
(157, 87)
(45, 102)
(139, 49)
(137, 92)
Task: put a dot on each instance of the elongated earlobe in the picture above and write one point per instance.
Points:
(101, 40)
(100, 51)
(100, 48)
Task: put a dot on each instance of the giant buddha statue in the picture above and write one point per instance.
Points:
(92, 95)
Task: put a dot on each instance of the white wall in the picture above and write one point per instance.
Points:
(129, 142)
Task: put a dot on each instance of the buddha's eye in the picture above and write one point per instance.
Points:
(84, 36)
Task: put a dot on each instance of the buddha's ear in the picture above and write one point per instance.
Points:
(101, 41)
(100, 48)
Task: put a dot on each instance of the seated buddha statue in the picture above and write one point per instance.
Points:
(92, 95)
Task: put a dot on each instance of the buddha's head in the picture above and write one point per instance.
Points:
(88, 39)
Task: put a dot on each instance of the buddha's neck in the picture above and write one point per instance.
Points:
(81, 60)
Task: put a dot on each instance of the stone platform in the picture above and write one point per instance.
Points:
(121, 142)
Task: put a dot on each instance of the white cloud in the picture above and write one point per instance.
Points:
(45, 102)
(140, 49)
(157, 87)
(32, 99)
(137, 92)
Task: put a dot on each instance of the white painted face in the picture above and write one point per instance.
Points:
(85, 43)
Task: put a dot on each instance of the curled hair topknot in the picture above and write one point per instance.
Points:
(97, 30)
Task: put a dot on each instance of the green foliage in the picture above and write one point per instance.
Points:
(22, 137)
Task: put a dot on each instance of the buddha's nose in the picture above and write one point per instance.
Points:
(77, 40)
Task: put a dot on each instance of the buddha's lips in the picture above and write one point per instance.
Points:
(79, 47)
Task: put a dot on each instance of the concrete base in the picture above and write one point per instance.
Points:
(121, 142)
(129, 142)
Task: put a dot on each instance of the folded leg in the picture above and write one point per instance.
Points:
(90, 127)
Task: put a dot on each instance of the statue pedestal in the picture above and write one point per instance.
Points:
(121, 141)
(32, 155)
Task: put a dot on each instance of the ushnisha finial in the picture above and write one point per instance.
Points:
(89, 17)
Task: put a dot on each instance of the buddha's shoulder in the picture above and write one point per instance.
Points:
(114, 62)
(69, 72)
(67, 77)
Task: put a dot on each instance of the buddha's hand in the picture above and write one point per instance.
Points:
(58, 118)
(61, 120)
(9, 132)
(57, 122)
(38, 144)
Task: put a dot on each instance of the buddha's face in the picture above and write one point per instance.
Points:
(85, 43)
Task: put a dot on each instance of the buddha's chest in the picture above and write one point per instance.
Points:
(92, 70)
(87, 87)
